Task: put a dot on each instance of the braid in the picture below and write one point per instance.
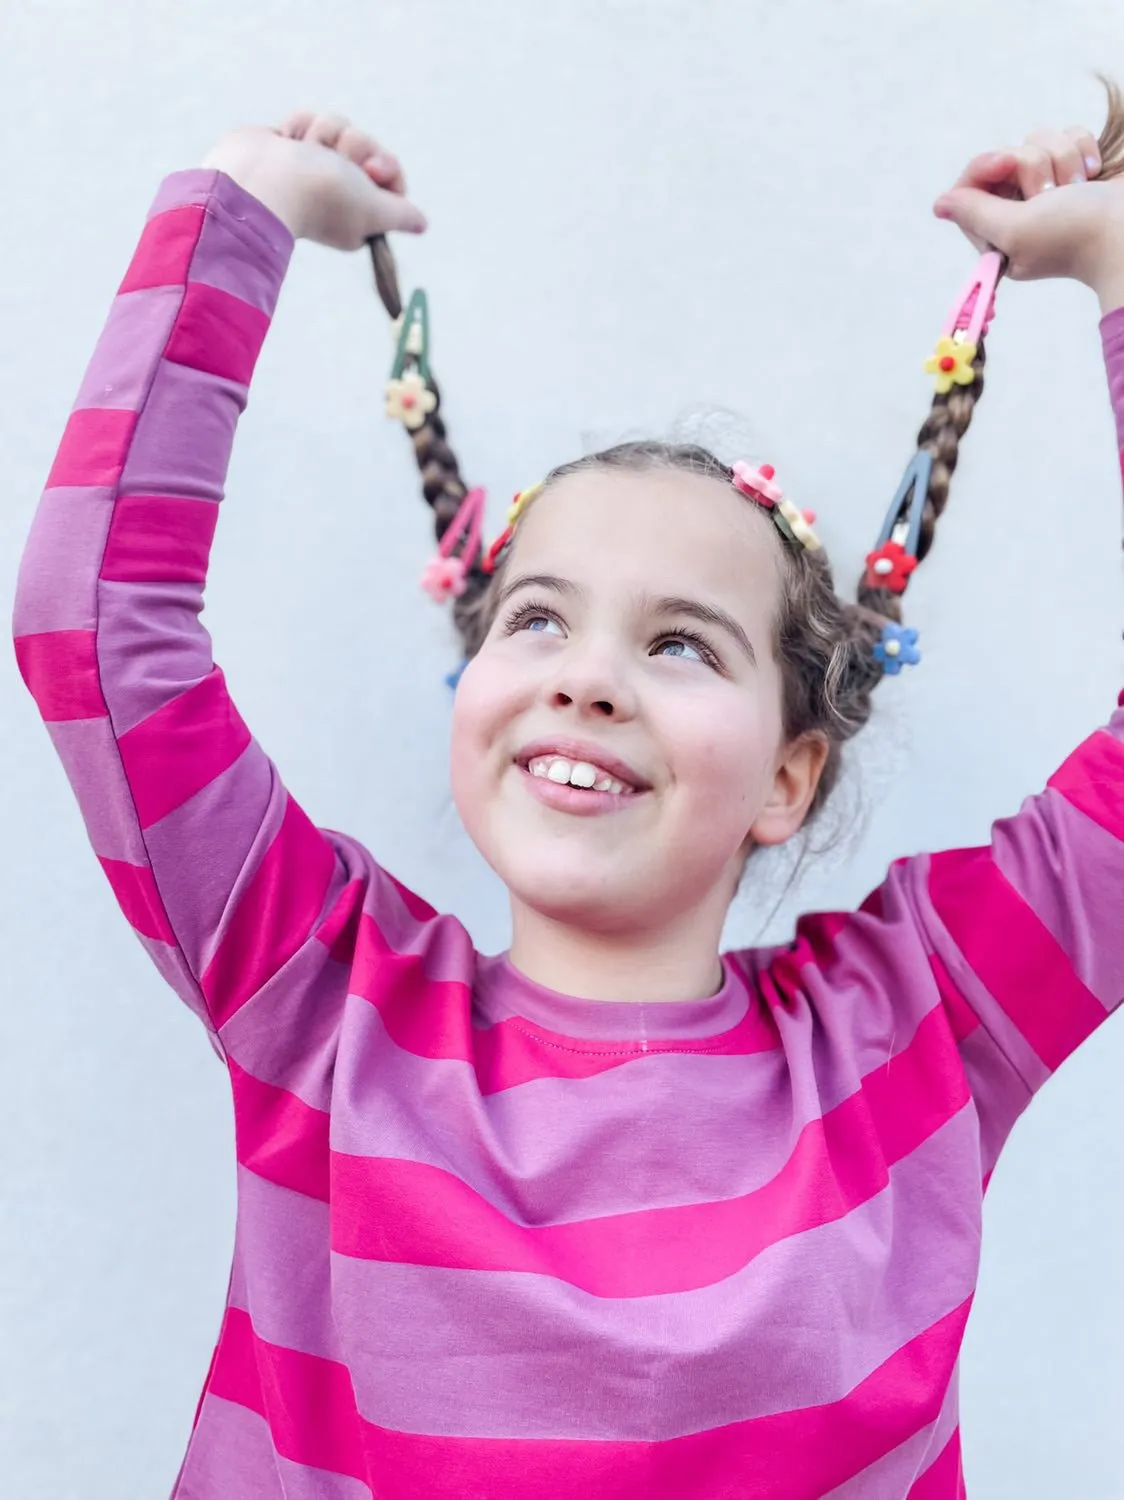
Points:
(442, 485)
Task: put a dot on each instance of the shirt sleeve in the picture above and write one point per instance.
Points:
(223, 877)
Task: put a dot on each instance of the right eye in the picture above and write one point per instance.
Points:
(534, 617)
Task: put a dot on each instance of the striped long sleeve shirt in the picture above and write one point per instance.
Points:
(493, 1242)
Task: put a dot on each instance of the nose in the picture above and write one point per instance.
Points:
(591, 683)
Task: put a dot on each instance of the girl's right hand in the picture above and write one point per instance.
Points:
(326, 180)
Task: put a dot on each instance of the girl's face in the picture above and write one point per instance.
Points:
(617, 742)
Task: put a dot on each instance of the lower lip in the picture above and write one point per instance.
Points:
(572, 799)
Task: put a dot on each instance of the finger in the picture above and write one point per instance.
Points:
(326, 130)
(1035, 171)
(1086, 143)
(297, 123)
(984, 217)
(991, 170)
(356, 145)
(385, 169)
(1065, 158)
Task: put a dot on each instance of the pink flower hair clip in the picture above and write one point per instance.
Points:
(445, 576)
(759, 486)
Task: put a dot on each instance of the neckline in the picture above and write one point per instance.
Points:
(503, 994)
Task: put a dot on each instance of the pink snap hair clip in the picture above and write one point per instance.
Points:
(445, 576)
(758, 484)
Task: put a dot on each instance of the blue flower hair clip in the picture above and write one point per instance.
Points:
(897, 648)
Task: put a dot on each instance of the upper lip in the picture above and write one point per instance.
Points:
(576, 750)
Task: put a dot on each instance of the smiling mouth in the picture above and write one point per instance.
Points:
(583, 774)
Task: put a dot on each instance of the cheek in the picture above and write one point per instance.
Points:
(478, 717)
(723, 757)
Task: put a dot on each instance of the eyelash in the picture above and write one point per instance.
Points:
(533, 609)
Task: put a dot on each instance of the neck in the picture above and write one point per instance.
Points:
(677, 961)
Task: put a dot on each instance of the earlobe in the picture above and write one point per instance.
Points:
(793, 791)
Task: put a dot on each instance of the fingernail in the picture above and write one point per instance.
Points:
(1078, 177)
(940, 208)
(1047, 185)
(1093, 163)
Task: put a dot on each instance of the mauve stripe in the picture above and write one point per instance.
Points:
(93, 449)
(203, 848)
(155, 539)
(253, 277)
(281, 1271)
(278, 1137)
(60, 669)
(136, 325)
(1070, 872)
(135, 889)
(274, 915)
(217, 333)
(163, 255)
(1011, 952)
(1092, 780)
(1000, 1093)
(795, 1454)
(183, 435)
(308, 1402)
(944, 1479)
(149, 647)
(232, 1457)
(403, 1211)
(58, 573)
(89, 755)
(809, 1311)
(182, 747)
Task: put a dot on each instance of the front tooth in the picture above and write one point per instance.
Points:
(559, 771)
(583, 774)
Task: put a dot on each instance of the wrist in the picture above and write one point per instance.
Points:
(254, 168)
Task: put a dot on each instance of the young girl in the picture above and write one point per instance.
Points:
(613, 1214)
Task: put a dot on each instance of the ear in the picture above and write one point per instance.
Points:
(794, 786)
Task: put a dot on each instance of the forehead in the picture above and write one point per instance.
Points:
(660, 531)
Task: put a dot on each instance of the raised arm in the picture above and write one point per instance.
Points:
(218, 870)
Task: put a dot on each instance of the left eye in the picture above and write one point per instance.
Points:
(677, 646)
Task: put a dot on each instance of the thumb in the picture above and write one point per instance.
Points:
(392, 212)
(987, 220)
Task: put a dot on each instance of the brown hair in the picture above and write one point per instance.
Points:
(825, 645)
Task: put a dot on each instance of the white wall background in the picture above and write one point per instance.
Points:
(636, 205)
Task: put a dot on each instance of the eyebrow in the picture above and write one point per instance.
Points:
(694, 609)
(539, 581)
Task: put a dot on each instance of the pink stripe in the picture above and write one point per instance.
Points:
(217, 334)
(182, 747)
(423, 1015)
(1092, 779)
(1012, 954)
(401, 1211)
(962, 1018)
(60, 669)
(93, 448)
(275, 915)
(279, 1137)
(154, 539)
(310, 1406)
(164, 253)
(308, 1402)
(944, 1479)
(135, 889)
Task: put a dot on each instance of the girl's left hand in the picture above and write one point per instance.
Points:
(1042, 207)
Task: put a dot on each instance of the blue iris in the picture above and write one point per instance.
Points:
(897, 649)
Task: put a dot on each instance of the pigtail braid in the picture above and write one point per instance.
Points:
(442, 485)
